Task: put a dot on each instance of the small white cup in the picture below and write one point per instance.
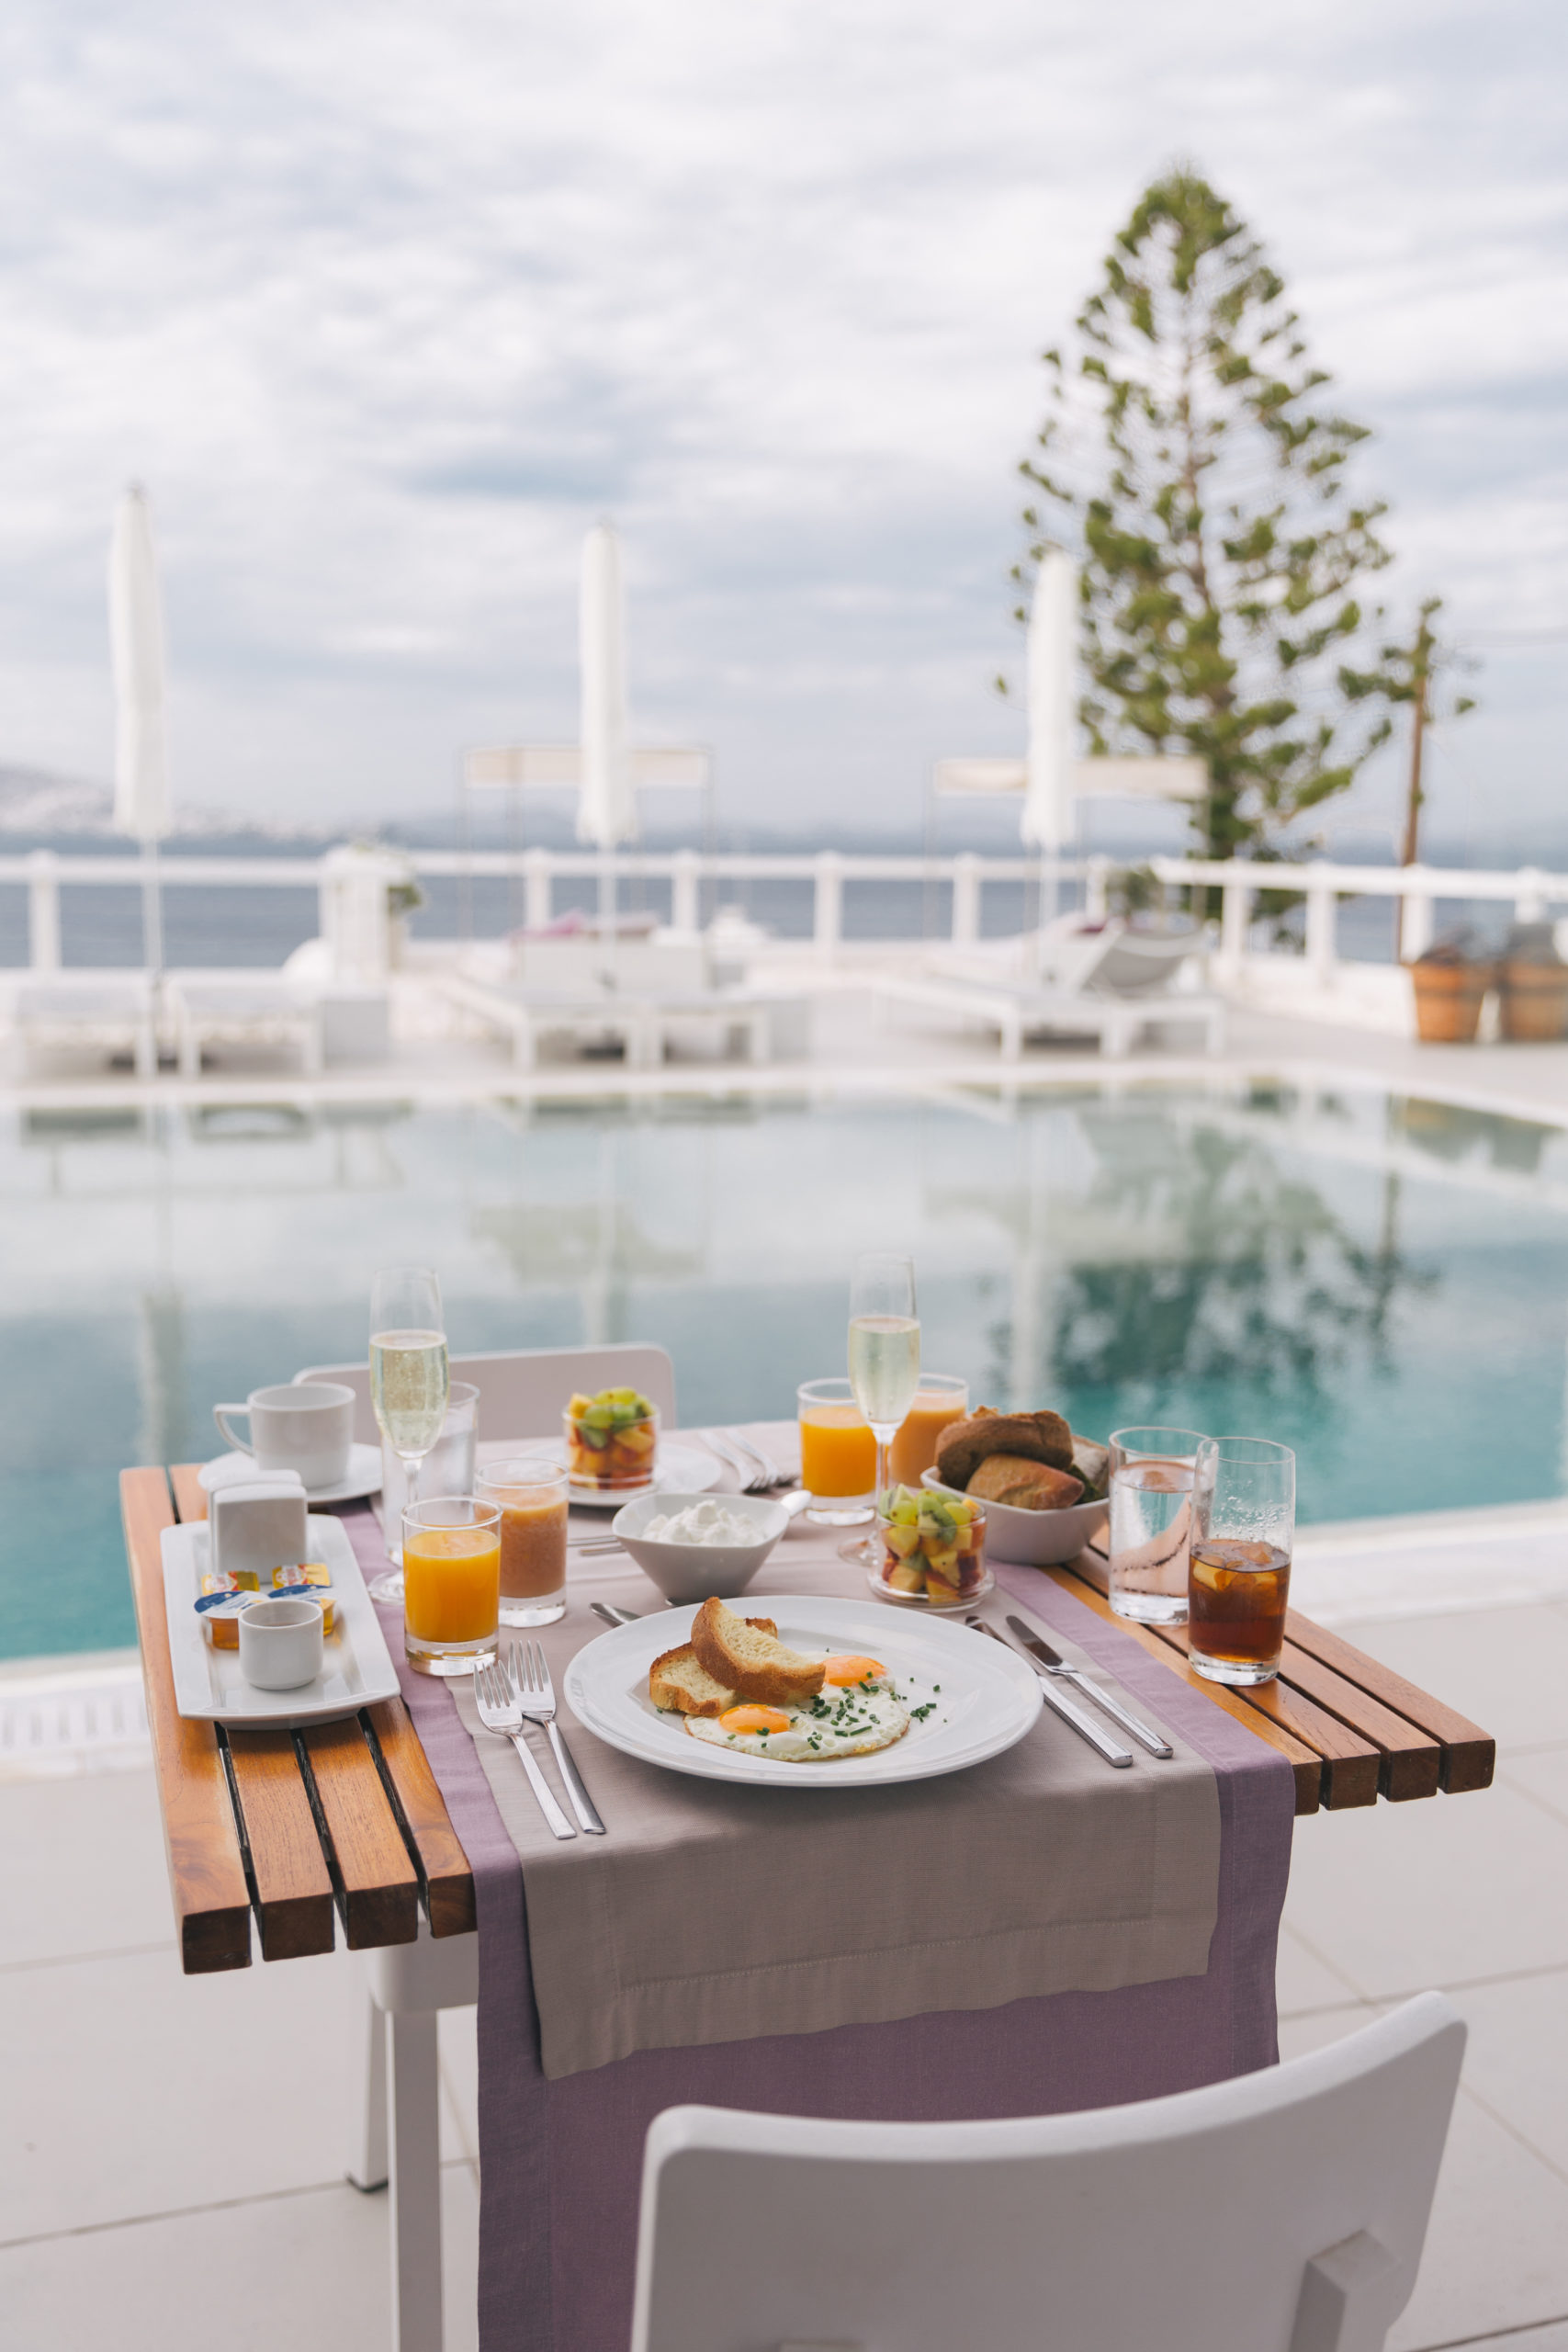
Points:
(304, 1425)
(281, 1643)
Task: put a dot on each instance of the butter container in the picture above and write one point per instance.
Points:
(309, 1581)
(223, 1598)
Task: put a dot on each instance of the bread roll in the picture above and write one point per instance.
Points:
(1036, 1437)
(1027, 1485)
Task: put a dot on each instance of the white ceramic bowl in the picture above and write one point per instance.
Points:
(686, 1572)
(1033, 1538)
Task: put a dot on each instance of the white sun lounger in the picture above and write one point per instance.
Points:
(1104, 981)
(643, 1021)
(112, 1014)
(260, 1012)
(1021, 1008)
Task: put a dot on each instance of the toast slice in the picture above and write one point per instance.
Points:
(752, 1661)
(678, 1684)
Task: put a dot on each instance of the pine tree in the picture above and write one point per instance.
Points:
(1187, 455)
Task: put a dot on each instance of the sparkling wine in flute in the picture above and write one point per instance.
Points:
(885, 1366)
(409, 1384)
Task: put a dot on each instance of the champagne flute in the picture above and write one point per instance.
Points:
(409, 1379)
(885, 1364)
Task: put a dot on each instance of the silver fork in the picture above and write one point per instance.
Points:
(536, 1695)
(499, 1713)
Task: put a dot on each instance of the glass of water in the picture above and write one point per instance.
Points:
(1151, 1522)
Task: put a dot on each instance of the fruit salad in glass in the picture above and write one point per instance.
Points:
(611, 1439)
(933, 1548)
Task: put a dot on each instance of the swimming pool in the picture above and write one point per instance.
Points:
(1381, 1283)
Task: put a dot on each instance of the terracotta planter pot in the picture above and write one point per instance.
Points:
(1448, 1001)
(1533, 1001)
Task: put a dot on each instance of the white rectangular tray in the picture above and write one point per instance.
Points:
(355, 1671)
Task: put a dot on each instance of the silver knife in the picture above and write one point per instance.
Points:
(1054, 1663)
(1083, 1725)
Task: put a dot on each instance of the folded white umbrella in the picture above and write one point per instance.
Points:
(1047, 819)
(136, 647)
(606, 808)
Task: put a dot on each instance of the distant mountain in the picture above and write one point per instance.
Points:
(37, 802)
(34, 801)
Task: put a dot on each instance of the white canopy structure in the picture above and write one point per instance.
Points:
(136, 650)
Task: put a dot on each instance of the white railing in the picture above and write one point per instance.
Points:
(352, 885)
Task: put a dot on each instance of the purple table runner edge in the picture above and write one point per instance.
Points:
(572, 2150)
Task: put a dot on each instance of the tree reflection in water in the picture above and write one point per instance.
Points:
(1202, 1264)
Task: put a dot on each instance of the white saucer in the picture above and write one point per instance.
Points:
(683, 1470)
(364, 1476)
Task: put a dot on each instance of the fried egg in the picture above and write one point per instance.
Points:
(839, 1722)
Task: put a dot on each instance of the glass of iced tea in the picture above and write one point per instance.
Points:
(838, 1453)
(1238, 1578)
(451, 1584)
(1151, 1522)
(532, 1494)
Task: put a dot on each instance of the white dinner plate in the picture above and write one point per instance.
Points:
(983, 1697)
(683, 1470)
(356, 1669)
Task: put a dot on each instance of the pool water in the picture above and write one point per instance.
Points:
(1382, 1283)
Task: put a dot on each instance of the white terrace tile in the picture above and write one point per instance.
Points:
(133, 2089)
(1517, 2060)
(1496, 2254)
(308, 2272)
(1543, 1778)
(1401, 1897)
(1506, 1668)
(1304, 1983)
(83, 1867)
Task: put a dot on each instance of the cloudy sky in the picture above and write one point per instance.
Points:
(387, 304)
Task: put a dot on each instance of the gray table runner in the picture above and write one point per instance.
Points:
(713, 1913)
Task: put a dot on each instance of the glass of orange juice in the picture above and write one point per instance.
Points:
(838, 1453)
(532, 1493)
(451, 1584)
(941, 1397)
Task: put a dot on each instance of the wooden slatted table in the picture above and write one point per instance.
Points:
(344, 1822)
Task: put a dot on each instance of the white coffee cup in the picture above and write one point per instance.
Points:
(305, 1425)
(282, 1642)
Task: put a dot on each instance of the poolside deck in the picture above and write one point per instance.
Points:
(178, 2144)
(438, 1057)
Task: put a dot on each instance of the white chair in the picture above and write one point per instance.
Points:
(522, 1390)
(1283, 2212)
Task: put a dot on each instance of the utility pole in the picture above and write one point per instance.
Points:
(1420, 677)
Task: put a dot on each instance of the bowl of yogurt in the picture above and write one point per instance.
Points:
(691, 1545)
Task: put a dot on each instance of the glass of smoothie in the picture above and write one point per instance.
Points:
(940, 1399)
(531, 1495)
